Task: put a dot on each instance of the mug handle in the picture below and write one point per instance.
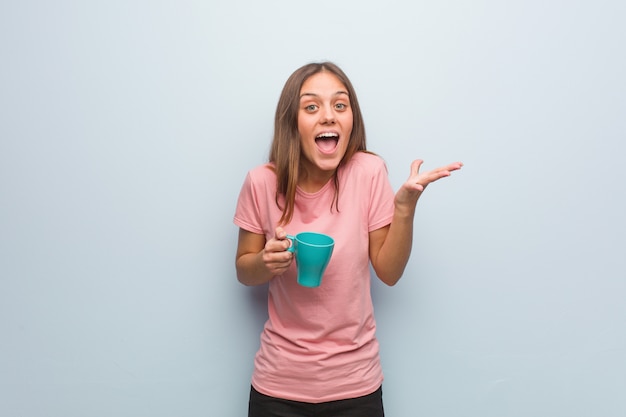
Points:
(291, 247)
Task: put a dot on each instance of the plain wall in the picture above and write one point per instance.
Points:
(126, 130)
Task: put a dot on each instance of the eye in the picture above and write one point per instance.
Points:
(310, 108)
(341, 106)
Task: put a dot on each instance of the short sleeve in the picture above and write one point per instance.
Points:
(381, 197)
(247, 212)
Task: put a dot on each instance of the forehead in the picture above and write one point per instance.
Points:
(323, 83)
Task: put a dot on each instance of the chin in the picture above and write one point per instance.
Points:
(328, 165)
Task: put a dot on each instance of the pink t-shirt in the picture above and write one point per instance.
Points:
(319, 344)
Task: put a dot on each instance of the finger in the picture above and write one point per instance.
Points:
(419, 187)
(435, 175)
(276, 245)
(445, 171)
(278, 259)
(281, 235)
(415, 167)
(454, 166)
(281, 259)
(283, 263)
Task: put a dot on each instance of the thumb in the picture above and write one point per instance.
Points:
(280, 234)
(415, 167)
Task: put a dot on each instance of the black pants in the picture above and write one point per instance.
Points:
(367, 406)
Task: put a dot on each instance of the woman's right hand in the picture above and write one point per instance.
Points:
(275, 255)
(259, 260)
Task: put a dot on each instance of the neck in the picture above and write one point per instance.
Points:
(313, 182)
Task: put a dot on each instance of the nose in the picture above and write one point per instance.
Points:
(328, 116)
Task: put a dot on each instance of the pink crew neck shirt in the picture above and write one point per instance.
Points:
(319, 344)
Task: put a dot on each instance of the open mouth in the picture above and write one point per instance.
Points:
(327, 141)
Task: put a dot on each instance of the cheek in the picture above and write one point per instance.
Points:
(349, 122)
(304, 126)
(348, 130)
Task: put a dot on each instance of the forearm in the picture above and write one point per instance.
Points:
(395, 251)
(390, 247)
(251, 270)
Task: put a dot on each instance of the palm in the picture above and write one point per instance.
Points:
(410, 191)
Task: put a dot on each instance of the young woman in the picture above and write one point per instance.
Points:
(319, 354)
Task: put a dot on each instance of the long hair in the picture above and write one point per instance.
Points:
(285, 152)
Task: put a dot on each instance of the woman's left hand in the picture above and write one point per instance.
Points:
(411, 190)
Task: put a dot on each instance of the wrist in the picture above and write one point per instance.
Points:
(405, 213)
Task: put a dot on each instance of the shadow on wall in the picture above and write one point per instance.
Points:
(256, 300)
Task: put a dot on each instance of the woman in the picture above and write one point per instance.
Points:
(319, 354)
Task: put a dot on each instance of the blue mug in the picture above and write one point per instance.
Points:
(312, 253)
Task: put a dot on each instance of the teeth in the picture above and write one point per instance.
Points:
(328, 135)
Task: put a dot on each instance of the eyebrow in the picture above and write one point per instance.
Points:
(315, 95)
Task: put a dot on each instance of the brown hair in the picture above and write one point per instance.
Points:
(285, 152)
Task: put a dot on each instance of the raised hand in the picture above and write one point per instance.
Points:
(410, 191)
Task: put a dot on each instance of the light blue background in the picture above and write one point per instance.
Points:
(126, 129)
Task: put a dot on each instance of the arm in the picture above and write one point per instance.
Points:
(390, 246)
(258, 261)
